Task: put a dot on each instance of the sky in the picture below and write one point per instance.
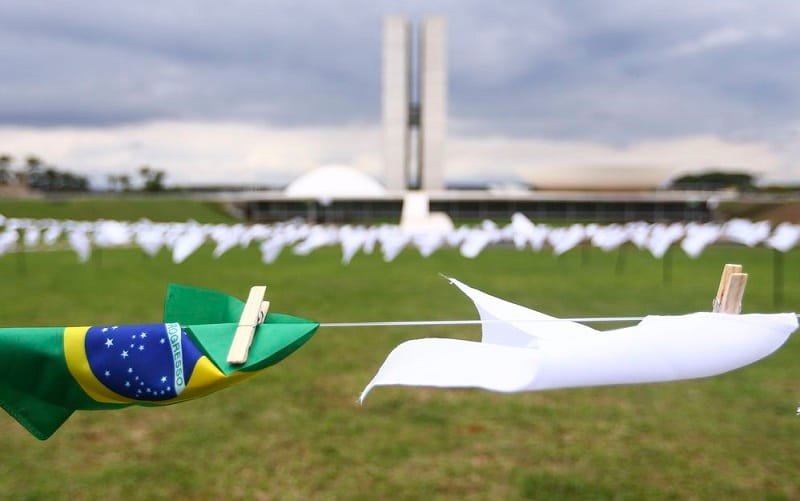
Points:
(258, 92)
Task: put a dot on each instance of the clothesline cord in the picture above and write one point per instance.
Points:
(425, 323)
(420, 323)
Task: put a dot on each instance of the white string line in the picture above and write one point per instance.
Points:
(420, 323)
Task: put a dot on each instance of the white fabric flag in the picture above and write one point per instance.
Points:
(456, 237)
(32, 236)
(523, 350)
(609, 237)
(785, 237)
(393, 241)
(662, 237)
(746, 232)
(371, 240)
(257, 232)
(523, 229)
(81, 244)
(428, 243)
(8, 240)
(320, 236)
(52, 233)
(271, 248)
(698, 237)
(351, 239)
(564, 239)
(638, 233)
(187, 244)
(474, 243)
(226, 238)
(111, 233)
(150, 237)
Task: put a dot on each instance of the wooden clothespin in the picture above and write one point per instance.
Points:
(254, 313)
(731, 290)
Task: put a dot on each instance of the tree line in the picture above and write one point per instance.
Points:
(35, 174)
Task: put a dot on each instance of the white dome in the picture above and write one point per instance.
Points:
(334, 182)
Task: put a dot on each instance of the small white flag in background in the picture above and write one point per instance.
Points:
(522, 349)
(785, 237)
(81, 244)
(183, 239)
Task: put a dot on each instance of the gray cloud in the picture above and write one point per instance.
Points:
(616, 72)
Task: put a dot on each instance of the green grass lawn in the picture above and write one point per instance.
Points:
(296, 431)
(123, 208)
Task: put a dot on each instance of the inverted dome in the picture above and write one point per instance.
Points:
(334, 182)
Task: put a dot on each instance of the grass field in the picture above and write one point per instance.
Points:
(296, 432)
(129, 208)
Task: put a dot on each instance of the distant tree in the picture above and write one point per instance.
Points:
(33, 163)
(51, 180)
(33, 171)
(152, 179)
(715, 180)
(119, 182)
(68, 181)
(36, 174)
(124, 182)
(5, 168)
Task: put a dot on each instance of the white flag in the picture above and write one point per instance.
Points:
(522, 349)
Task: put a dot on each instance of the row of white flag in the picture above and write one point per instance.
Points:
(183, 239)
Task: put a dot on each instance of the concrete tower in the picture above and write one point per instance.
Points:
(401, 114)
(433, 103)
(396, 95)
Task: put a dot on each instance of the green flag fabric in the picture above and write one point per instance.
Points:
(48, 373)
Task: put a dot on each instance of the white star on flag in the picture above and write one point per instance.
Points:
(124, 354)
(105, 329)
(143, 335)
(109, 342)
(163, 379)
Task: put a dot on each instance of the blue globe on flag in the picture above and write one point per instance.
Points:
(142, 362)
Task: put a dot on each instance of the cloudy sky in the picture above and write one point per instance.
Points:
(260, 91)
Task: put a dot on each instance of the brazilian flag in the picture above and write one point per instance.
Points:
(48, 373)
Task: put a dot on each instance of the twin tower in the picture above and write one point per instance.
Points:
(414, 104)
